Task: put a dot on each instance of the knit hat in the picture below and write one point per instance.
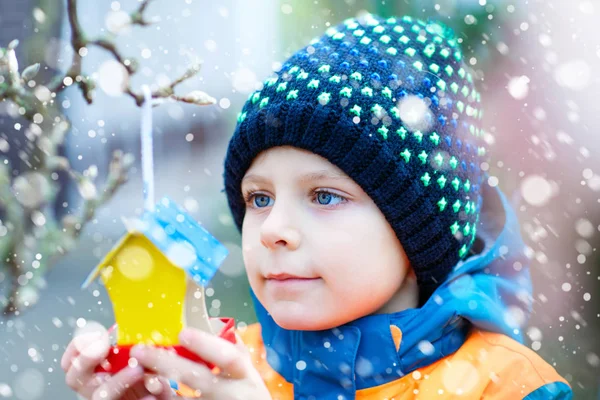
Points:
(392, 104)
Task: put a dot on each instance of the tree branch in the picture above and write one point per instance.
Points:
(78, 41)
(137, 17)
(109, 46)
(119, 166)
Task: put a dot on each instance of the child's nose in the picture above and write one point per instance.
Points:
(279, 230)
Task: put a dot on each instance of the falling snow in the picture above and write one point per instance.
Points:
(535, 66)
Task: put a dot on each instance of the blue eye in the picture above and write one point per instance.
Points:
(261, 201)
(325, 198)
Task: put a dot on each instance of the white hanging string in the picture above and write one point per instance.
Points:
(147, 160)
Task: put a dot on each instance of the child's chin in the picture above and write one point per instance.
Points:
(293, 317)
(294, 325)
(302, 320)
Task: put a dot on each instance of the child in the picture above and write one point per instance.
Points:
(382, 264)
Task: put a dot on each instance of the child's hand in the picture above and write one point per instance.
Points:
(237, 378)
(82, 356)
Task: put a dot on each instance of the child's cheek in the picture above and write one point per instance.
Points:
(336, 260)
(250, 248)
(249, 254)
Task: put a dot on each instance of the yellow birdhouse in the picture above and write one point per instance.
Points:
(148, 273)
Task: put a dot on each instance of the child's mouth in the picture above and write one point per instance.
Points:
(289, 282)
(285, 277)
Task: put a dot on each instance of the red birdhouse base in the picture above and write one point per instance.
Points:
(118, 356)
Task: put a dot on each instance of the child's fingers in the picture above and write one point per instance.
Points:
(91, 344)
(227, 356)
(172, 366)
(81, 369)
(80, 372)
(158, 386)
(118, 384)
(70, 353)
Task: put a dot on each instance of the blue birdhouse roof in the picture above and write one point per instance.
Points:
(180, 238)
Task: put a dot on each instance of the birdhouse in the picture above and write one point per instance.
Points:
(164, 256)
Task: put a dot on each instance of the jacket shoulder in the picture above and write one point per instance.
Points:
(487, 366)
(510, 369)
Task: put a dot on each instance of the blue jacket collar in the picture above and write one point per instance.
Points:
(490, 290)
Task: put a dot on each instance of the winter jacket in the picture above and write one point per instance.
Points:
(465, 342)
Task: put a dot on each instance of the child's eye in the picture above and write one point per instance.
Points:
(258, 200)
(326, 198)
(323, 197)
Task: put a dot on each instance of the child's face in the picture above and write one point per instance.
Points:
(308, 221)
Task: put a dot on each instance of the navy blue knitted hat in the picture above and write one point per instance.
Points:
(391, 103)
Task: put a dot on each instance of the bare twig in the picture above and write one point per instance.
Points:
(12, 305)
(192, 71)
(139, 99)
(78, 42)
(15, 232)
(117, 176)
(110, 47)
(137, 17)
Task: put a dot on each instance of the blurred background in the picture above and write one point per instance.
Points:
(537, 65)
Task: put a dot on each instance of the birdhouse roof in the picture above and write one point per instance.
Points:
(179, 237)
